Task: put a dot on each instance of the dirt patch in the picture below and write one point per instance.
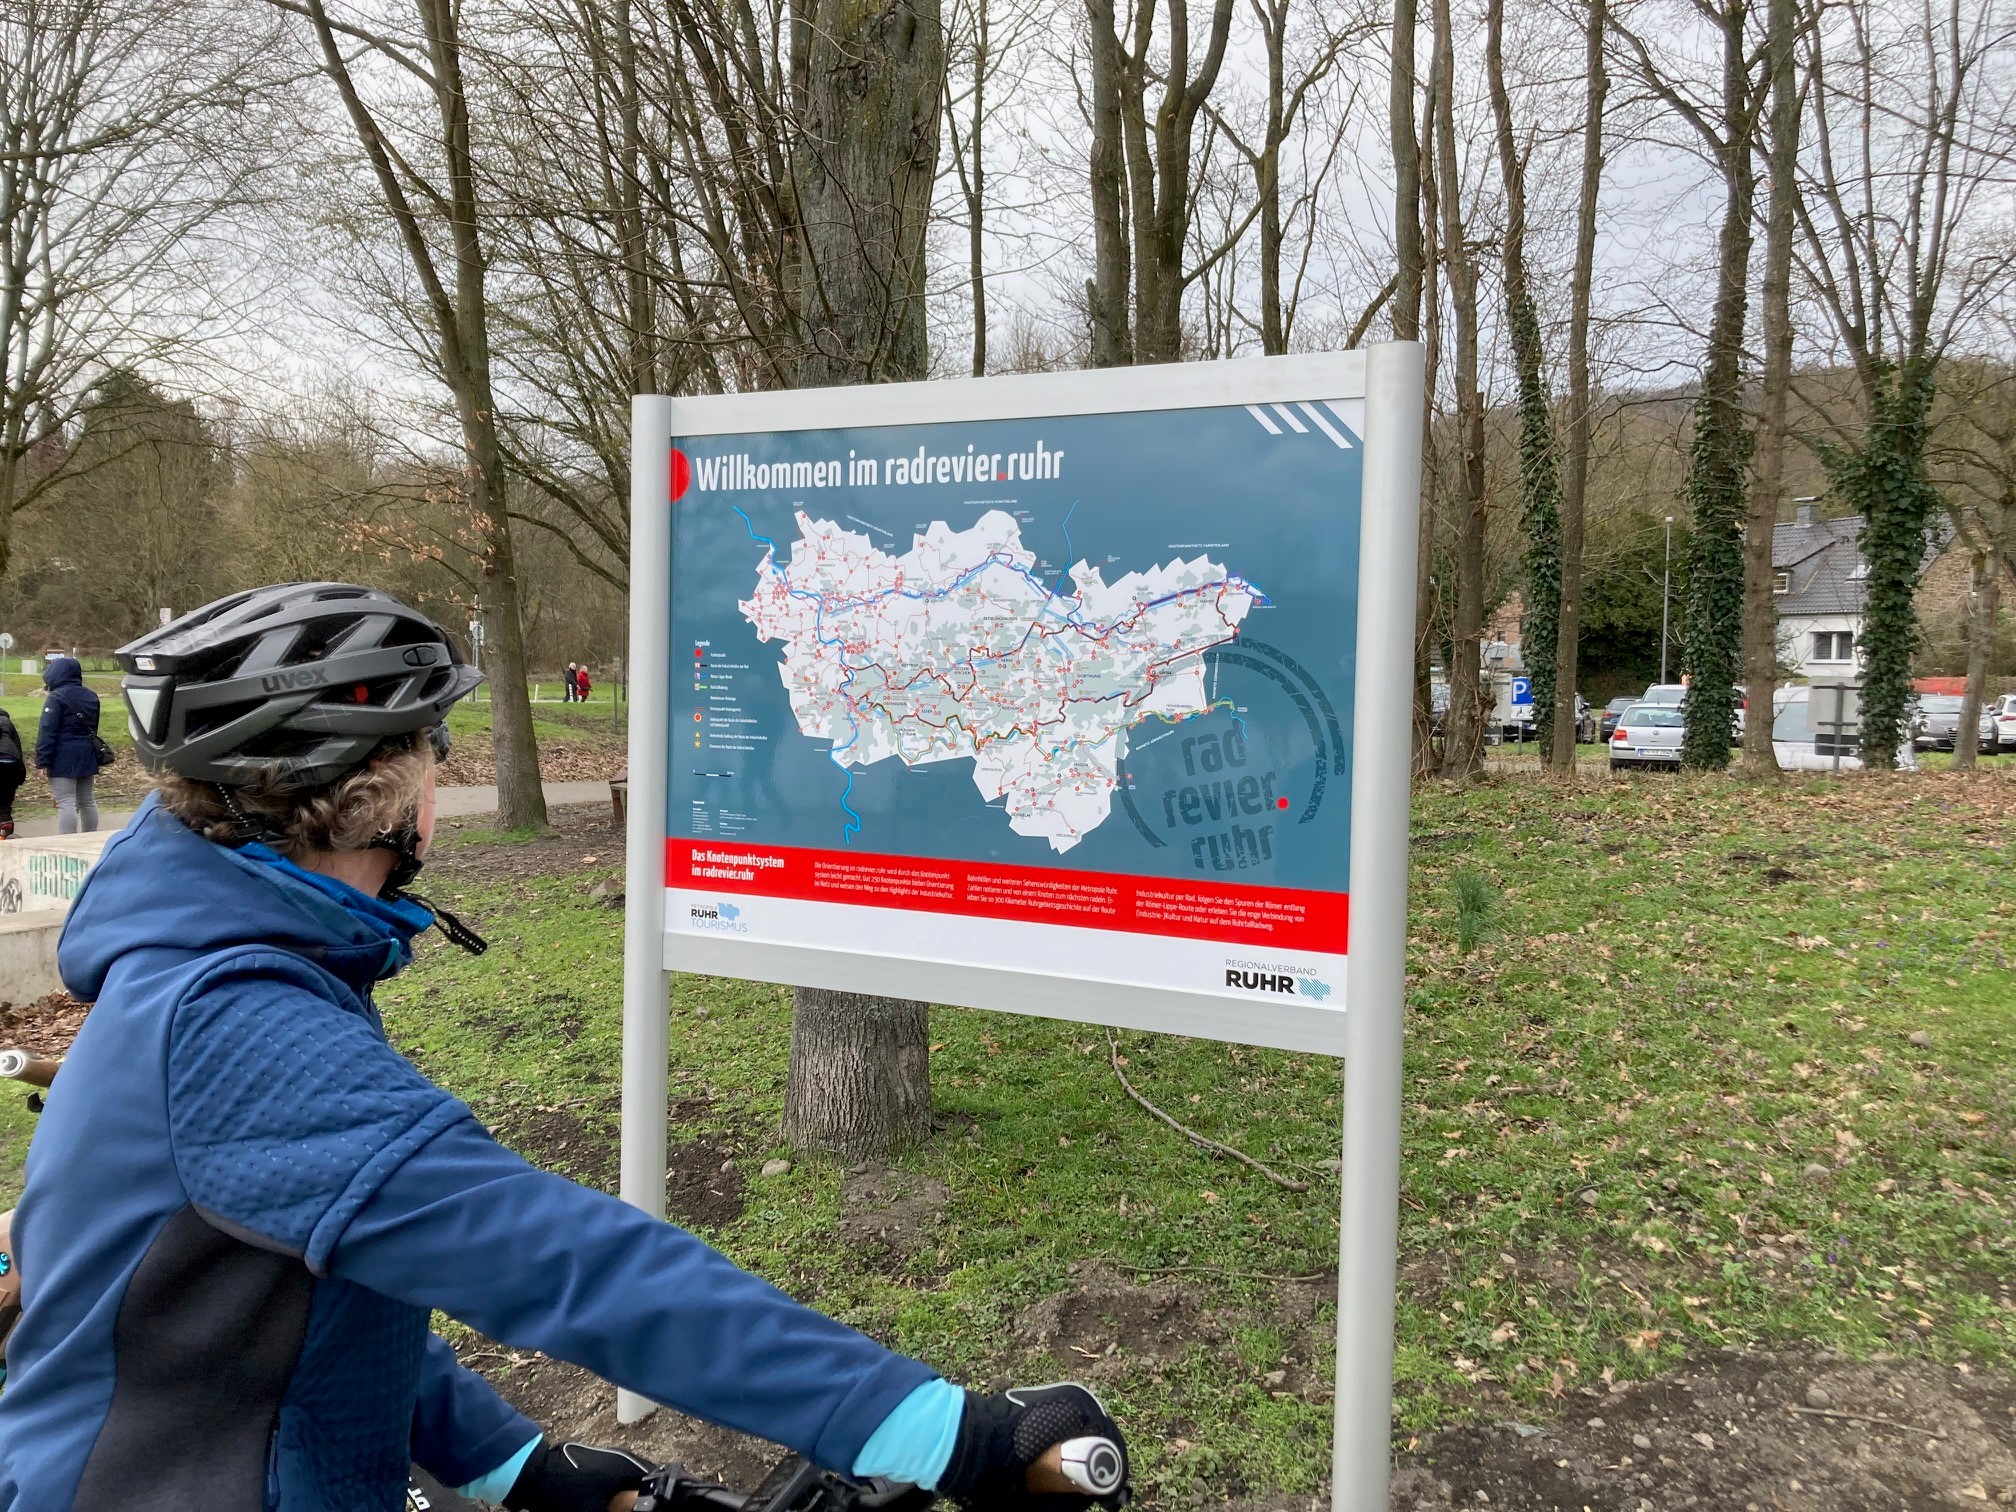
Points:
(1103, 1325)
(1794, 1431)
(704, 1188)
(43, 1027)
(563, 1141)
(583, 841)
(890, 1211)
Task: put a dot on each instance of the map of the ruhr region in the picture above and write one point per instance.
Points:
(1104, 647)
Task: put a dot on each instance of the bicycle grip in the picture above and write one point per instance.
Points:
(1091, 1466)
(19, 1065)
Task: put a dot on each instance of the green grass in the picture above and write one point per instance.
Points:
(1670, 1100)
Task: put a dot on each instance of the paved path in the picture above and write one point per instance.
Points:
(450, 803)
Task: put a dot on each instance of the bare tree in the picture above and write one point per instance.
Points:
(1282, 107)
(1575, 464)
(1463, 751)
(125, 136)
(1767, 495)
(1141, 173)
(983, 37)
(437, 218)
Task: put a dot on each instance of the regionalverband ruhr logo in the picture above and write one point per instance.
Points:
(1230, 785)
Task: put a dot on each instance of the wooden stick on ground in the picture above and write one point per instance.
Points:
(1113, 1048)
(1863, 1417)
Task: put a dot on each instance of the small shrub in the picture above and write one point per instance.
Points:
(1476, 909)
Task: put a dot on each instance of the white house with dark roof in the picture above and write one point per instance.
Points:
(1818, 583)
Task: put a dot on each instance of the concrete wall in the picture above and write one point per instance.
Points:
(28, 956)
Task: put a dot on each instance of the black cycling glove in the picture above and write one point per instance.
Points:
(1000, 1437)
(574, 1478)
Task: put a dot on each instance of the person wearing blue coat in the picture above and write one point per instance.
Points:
(66, 745)
(242, 1202)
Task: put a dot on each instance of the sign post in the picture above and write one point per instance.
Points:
(1082, 695)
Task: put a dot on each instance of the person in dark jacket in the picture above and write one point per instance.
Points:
(13, 769)
(242, 1201)
(570, 684)
(66, 745)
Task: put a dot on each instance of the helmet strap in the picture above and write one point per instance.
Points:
(243, 824)
(405, 844)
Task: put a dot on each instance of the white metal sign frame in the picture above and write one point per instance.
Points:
(1367, 1031)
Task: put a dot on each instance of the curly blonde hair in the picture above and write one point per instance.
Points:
(380, 797)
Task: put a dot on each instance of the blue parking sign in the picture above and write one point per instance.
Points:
(1522, 691)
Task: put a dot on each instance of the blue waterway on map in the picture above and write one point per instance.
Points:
(1135, 491)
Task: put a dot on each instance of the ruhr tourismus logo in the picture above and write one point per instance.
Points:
(722, 918)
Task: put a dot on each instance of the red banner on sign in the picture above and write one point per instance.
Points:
(1198, 909)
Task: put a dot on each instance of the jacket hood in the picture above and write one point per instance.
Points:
(161, 886)
(63, 672)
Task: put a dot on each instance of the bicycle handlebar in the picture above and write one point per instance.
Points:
(19, 1065)
(1090, 1466)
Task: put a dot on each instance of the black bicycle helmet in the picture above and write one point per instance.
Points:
(300, 682)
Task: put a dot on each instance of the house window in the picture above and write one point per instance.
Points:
(1781, 582)
(1833, 645)
(1860, 572)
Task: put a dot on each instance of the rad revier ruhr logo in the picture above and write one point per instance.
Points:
(682, 475)
(1228, 786)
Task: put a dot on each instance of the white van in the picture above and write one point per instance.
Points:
(1820, 730)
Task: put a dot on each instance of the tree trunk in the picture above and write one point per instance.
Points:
(860, 1074)
(1539, 460)
(1463, 753)
(1106, 290)
(521, 799)
(1988, 568)
(1406, 176)
(874, 75)
(1713, 610)
(860, 1078)
(1575, 478)
(1420, 225)
(976, 194)
(1760, 599)
(1273, 19)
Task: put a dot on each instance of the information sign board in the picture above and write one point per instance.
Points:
(1084, 695)
(1052, 699)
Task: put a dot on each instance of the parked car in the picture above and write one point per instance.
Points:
(1935, 724)
(1804, 741)
(1674, 695)
(1613, 711)
(2005, 721)
(1648, 735)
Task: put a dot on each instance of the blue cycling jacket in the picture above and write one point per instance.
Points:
(242, 1202)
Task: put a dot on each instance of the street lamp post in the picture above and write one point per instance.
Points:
(1666, 599)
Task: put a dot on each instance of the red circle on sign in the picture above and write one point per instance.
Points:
(1280, 803)
(682, 474)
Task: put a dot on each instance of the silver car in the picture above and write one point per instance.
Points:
(1647, 735)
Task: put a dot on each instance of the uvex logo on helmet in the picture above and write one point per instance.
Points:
(287, 682)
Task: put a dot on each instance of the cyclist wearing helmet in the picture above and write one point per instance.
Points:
(242, 1202)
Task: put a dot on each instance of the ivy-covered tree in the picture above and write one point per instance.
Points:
(1884, 476)
(1911, 131)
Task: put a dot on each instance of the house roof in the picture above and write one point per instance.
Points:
(1822, 557)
